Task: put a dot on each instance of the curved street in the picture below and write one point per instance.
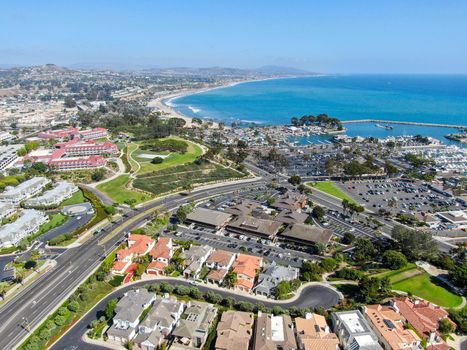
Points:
(310, 296)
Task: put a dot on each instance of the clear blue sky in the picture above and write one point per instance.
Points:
(346, 36)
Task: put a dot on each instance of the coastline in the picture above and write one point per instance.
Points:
(164, 103)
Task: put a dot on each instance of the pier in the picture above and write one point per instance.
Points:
(403, 123)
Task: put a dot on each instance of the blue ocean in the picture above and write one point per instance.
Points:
(419, 98)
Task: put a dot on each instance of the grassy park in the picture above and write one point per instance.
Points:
(331, 188)
(413, 280)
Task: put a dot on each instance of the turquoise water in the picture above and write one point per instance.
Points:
(418, 98)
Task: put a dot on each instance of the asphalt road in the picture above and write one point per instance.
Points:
(311, 296)
(71, 225)
(43, 296)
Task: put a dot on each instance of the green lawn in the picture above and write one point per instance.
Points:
(331, 188)
(116, 190)
(174, 158)
(77, 198)
(421, 284)
(55, 220)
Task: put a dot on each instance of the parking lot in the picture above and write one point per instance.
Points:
(398, 196)
(282, 254)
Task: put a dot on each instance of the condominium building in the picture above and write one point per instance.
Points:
(6, 210)
(24, 190)
(53, 197)
(8, 155)
(28, 223)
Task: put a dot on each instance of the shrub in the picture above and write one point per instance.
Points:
(157, 160)
(73, 306)
(59, 320)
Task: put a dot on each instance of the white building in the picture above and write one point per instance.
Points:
(53, 197)
(24, 190)
(354, 332)
(6, 136)
(6, 210)
(27, 224)
(8, 155)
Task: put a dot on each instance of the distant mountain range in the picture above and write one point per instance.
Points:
(206, 72)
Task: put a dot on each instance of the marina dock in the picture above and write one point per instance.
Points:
(403, 123)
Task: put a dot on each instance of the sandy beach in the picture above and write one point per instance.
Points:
(163, 102)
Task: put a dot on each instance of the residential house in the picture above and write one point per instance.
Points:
(159, 322)
(251, 226)
(424, 317)
(234, 330)
(24, 190)
(304, 234)
(160, 255)
(209, 218)
(127, 313)
(193, 327)
(28, 223)
(138, 245)
(220, 261)
(313, 333)
(53, 197)
(195, 257)
(272, 276)
(354, 332)
(390, 328)
(274, 333)
(246, 267)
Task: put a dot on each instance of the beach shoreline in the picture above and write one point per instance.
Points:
(164, 103)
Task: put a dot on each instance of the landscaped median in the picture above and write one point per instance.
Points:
(331, 188)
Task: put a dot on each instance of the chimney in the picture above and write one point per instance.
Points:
(308, 316)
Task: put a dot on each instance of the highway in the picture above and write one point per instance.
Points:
(45, 295)
(37, 301)
(310, 296)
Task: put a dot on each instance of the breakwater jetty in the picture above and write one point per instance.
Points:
(403, 123)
